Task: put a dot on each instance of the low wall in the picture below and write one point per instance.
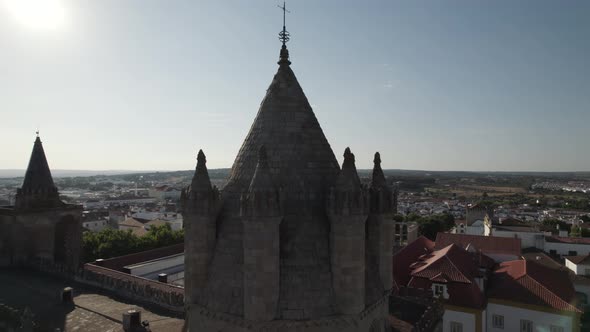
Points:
(118, 283)
(133, 287)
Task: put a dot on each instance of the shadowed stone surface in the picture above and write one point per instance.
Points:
(291, 225)
(91, 312)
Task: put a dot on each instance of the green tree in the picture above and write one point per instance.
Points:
(429, 226)
(576, 231)
(550, 225)
(110, 242)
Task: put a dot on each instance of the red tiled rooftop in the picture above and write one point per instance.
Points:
(487, 244)
(572, 240)
(455, 267)
(532, 283)
(450, 263)
(579, 259)
(407, 256)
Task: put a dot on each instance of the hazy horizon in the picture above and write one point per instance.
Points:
(63, 173)
(143, 85)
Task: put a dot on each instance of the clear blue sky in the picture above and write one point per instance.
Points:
(437, 85)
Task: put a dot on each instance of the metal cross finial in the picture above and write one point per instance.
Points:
(284, 35)
(37, 132)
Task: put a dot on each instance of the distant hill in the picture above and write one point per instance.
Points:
(220, 173)
(14, 173)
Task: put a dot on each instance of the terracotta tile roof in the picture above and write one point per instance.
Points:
(579, 259)
(156, 222)
(487, 244)
(572, 240)
(449, 264)
(455, 267)
(524, 229)
(408, 255)
(532, 283)
(131, 222)
(136, 227)
(542, 258)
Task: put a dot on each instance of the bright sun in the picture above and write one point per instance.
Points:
(37, 14)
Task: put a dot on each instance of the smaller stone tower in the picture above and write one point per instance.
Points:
(40, 227)
(200, 202)
(347, 210)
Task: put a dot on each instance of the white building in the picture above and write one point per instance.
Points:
(165, 192)
(567, 246)
(482, 295)
(95, 225)
(580, 265)
(529, 236)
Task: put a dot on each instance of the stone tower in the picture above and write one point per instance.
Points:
(39, 226)
(292, 242)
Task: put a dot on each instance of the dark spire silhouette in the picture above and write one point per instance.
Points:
(38, 176)
(348, 178)
(201, 181)
(378, 179)
(284, 37)
(38, 190)
(262, 179)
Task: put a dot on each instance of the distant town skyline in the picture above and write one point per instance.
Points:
(143, 85)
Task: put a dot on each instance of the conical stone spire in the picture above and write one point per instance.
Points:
(382, 199)
(348, 179)
(262, 180)
(38, 176)
(201, 181)
(287, 126)
(378, 179)
(38, 189)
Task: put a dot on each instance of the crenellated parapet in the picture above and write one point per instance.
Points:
(261, 216)
(200, 205)
(347, 210)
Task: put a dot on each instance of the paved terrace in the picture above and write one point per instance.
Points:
(91, 312)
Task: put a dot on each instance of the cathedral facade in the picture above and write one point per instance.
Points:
(293, 242)
(39, 227)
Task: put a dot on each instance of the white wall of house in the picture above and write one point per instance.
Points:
(477, 228)
(527, 239)
(176, 225)
(542, 321)
(564, 248)
(96, 225)
(467, 319)
(579, 269)
(487, 229)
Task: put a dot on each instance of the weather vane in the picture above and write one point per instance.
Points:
(284, 35)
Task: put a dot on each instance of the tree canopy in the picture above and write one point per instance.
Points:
(110, 242)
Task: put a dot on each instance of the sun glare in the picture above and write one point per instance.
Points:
(37, 14)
